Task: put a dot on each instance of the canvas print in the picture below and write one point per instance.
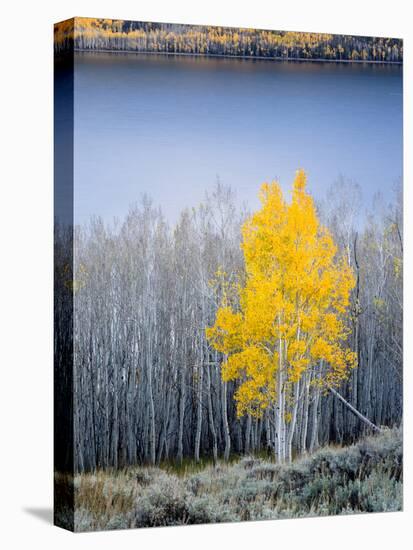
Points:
(228, 274)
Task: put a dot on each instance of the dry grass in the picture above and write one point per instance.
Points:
(366, 477)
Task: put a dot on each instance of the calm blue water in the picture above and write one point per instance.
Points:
(169, 126)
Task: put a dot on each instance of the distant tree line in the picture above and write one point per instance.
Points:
(148, 385)
(118, 35)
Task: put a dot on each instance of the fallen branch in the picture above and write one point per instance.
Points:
(354, 410)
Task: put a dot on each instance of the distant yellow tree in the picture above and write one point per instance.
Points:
(289, 313)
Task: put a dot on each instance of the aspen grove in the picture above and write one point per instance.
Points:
(233, 332)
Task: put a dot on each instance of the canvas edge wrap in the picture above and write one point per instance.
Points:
(64, 505)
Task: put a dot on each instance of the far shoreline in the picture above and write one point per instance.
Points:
(226, 56)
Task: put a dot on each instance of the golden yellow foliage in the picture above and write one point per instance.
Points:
(119, 35)
(291, 311)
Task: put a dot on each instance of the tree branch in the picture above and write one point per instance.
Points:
(355, 411)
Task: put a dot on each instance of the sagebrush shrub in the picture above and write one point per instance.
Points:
(365, 477)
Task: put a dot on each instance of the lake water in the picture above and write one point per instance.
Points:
(169, 126)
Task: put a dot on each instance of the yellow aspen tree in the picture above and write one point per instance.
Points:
(288, 315)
